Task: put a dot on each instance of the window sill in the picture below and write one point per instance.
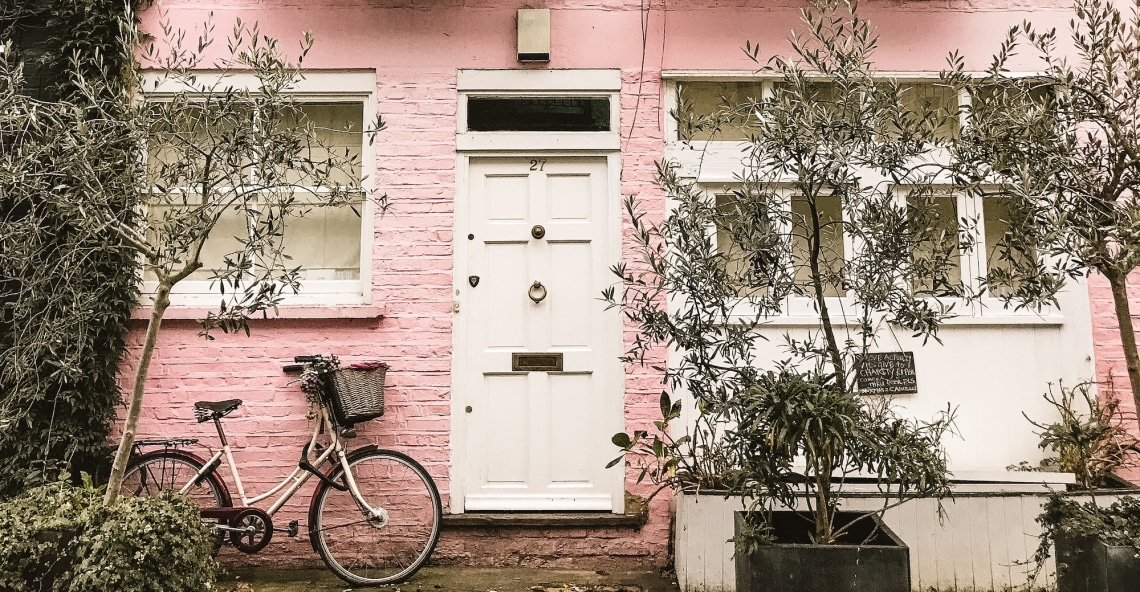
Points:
(1052, 320)
(193, 313)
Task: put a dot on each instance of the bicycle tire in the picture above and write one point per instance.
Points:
(170, 470)
(354, 547)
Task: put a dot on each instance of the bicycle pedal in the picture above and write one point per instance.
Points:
(291, 530)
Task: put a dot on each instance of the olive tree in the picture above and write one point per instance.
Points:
(223, 168)
(1065, 143)
(841, 193)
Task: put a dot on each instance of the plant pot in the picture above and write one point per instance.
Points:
(1088, 565)
(882, 564)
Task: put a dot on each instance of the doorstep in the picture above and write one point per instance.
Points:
(543, 520)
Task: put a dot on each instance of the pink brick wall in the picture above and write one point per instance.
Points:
(1111, 372)
(412, 282)
(416, 49)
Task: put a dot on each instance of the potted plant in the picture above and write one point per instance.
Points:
(1098, 548)
(802, 440)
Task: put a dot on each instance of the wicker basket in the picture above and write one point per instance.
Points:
(357, 395)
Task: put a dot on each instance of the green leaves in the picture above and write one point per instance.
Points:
(799, 437)
(61, 538)
(1088, 437)
(67, 279)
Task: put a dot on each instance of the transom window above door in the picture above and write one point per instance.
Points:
(538, 114)
(527, 110)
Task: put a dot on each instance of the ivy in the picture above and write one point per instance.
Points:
(65, 292)
(61, 537)
(1115, 525)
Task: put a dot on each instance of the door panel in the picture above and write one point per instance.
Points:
(540, 440)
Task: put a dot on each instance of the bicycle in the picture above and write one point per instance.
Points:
(374, 517)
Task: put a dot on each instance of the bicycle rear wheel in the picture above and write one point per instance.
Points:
(170, 470)
(354, 545)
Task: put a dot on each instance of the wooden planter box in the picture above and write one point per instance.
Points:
(1088, 565)
(882, 564)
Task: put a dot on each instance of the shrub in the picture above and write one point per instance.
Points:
(1115, 525)
(1089, 438)
(66, 292)
(61, 538)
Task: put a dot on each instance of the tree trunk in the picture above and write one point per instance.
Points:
(1119, 283)
(815, 242)
(119, 468)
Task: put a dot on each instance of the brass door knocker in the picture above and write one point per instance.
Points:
(537, 292)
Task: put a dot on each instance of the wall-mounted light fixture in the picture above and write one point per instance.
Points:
(534, 35)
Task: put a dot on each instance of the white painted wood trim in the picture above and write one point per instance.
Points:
(320, 85)
(458, 473)
(576, 80)
(616, 369)
(731, 75)
(315, 83)
(533, 141)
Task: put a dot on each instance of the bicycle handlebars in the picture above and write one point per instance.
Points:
(301, 361)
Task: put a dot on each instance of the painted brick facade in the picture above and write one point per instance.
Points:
(1111, 372)
(416, 49)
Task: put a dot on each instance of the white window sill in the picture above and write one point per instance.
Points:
(358, 311)
(1051, 320)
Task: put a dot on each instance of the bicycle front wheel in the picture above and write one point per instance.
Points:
(353, 544)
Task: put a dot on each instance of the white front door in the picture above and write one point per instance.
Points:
(543, 388)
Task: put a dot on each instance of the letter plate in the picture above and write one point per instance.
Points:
(548, 362)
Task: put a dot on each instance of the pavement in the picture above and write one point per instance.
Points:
(456, 579)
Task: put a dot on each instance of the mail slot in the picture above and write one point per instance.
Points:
(525, 362)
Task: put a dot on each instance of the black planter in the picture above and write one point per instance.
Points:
(1088, 565)
(793, 565)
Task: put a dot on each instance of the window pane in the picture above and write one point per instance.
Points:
(713, 110)
(1000, 257)
(538, 114)
(325, 243)
(737, 258)
(937, 258)
(829, 212)
(231, 228)
(336, 143)
(938, 100)
(178, 141)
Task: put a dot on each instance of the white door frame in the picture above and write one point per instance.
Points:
(527, 144)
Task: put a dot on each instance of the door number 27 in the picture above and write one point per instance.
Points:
(536, 164)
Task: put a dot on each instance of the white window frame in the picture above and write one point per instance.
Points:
(715, 166)
(315, 87)
(538, 83)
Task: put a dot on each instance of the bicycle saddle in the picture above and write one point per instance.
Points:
(206, 410)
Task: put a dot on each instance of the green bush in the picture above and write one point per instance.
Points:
(61, 538)
(66, 293)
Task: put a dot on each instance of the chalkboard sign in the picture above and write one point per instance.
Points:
(886, 373)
